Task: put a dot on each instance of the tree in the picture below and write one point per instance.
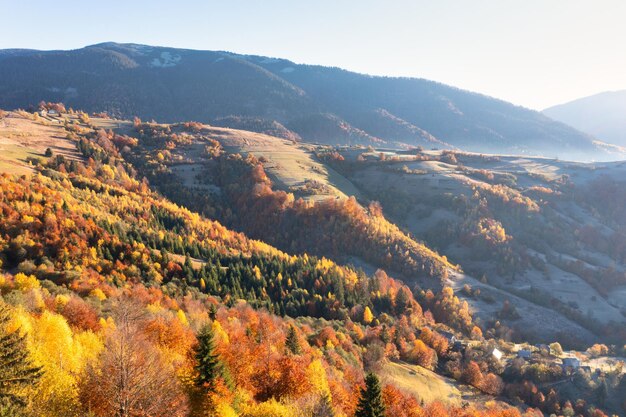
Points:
(291, 342)
(63, 355)
(371, 400)
(17, 373)
(324, 407)
(403, 301)
(134, 379)
(601, 393)
(556, 348)
(208, 366)
(212, 312)
(367, 315)
(472, 374)
(48, 153)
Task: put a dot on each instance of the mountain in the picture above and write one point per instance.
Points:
(317, 104)
(602, 115)
(210, 268)
(544, 235)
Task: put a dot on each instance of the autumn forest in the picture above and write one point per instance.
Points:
(152, 270)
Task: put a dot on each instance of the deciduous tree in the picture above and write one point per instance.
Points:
(17, 372)
(133, 378)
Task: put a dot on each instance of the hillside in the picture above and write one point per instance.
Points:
(514, 225)
(527, 229)
(96, 258)
(276, 96)
(93, 260)
(602, 115)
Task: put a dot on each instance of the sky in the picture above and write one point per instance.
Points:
(534, 53)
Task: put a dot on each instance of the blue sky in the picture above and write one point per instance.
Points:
(534, 53)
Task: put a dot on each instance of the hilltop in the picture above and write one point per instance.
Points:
(602, 115)
(276, 96)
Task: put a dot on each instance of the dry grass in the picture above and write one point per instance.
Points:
(288, 164)
(22, 137)
(422, 383)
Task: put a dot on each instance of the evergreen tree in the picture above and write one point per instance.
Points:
(208, 366)
(602, 392)
(291, 342)
(212, 311)
(402, 302)
(324, 407)
(371, 401)
(16, 371)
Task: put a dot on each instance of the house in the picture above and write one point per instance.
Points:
(573, 363)
(53, 112)
(449, 336)
(524, 354)
(496, 353)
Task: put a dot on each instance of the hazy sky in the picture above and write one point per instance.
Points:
(535, 53)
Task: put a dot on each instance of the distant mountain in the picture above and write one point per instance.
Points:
(320, 104)
(602, 115)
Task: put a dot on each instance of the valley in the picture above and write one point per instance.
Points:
(313, 209)
(417, 264)
(423, 197)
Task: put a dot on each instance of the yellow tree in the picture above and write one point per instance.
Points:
(62, 355)
(368, 316)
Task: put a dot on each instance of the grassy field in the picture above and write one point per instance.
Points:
(123, 127)
(13, 158)
(422, 383)
(22, 137)
(428, 386)
(288, 164)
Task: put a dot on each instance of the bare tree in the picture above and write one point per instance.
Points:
(133, 378)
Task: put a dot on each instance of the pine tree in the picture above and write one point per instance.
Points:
(208, 366)
(324, 407)
(212, 312)
(16, 371)
(602, 393)
(291, 342)
(402, 302)
(371, 401)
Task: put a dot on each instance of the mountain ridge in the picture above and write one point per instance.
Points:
(175, 85)
(602, 115)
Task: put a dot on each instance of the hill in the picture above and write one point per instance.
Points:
(512, 223)
(316, 104)
(103, 277)
(602, 115)
(92, 261)
(531, 229)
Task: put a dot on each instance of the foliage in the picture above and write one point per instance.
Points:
(371, 401)
(207, 366)
(17, 372)
(291, 342)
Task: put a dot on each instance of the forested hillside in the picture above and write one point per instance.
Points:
(544, 231)
(118, 301)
